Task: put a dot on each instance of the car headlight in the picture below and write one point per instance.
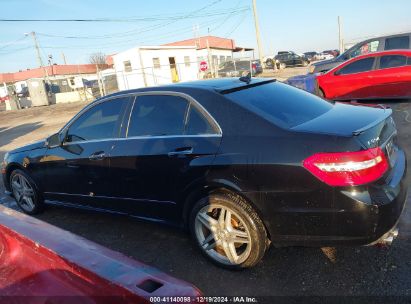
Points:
(6, 156)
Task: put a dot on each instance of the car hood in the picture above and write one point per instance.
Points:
(33, 146)
(323, 62)
(345, 120)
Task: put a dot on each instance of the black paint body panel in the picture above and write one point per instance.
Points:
(253, 157)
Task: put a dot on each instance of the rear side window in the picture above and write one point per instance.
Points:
(197, 124)
(281, 104)
(395, 43)
(157, 115)
(392, 61)
(409, 61)
(362, 65)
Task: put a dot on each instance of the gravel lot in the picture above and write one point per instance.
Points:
(298, 271)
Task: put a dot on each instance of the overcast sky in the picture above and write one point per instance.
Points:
(299, 25)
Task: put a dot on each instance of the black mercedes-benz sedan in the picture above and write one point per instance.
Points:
(242, 163)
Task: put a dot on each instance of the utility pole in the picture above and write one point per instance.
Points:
(210, 64)
(257, 32)
(64, 57)
(40, 60)
(340, 38)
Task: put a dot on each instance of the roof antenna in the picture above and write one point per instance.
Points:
(247, 78)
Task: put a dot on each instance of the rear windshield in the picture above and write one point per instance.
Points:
(281, 104)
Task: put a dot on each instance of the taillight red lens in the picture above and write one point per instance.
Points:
(348, 168)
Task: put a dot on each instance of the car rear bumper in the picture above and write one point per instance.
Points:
(335, 216)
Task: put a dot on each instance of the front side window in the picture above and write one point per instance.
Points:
(157, 115)
(392, 61)
(395, 43)
(366, 48)
(100, 122)
(358, 66)
(409, 61)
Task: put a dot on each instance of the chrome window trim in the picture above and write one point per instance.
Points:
(191, 100)
(139, 137)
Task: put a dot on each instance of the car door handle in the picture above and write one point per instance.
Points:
(181, 151)
(97, 156)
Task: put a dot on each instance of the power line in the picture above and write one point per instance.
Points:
(170, 34)
(156, 38)
(10, 43)
(140, 30)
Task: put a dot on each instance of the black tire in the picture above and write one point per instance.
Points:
(36, 198)
(250, 223)
(321, 93)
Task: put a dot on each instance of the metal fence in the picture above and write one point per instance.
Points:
(81, 88)
(114, 80)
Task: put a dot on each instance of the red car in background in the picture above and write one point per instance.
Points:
(380, 75)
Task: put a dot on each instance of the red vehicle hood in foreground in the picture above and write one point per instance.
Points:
(40, 263)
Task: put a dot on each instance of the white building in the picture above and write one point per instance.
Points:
(173, 62)
(155, 65)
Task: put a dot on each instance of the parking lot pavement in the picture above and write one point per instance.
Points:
(282, 75)
(284, 271)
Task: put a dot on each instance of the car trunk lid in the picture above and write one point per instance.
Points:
(347, 120)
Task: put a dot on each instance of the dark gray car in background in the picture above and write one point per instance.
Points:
(384, 43)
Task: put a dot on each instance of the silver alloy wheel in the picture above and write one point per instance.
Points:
(223, 234)
(23, 192)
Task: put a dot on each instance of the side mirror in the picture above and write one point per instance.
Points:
(54, 141)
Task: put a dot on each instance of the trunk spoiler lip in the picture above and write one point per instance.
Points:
(387, 113)
(384, 113)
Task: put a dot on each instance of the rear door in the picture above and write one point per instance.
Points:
(169, 144)
(392, 78)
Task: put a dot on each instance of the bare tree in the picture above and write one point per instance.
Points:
(98, 59)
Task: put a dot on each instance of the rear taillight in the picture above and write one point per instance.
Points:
(348, 168)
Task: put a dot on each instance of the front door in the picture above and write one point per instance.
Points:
(352, 81)
(169, 144)
(77, 171)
